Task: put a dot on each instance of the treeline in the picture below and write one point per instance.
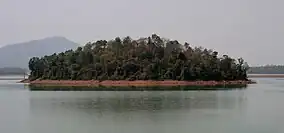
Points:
(150, 58)
(269, 69)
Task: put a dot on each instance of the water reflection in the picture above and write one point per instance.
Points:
(132, 88)
(124, 102)
(136, 111)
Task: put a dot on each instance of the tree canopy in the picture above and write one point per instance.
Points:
(150, 58)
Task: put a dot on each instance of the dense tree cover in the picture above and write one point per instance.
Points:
(268, 69)
(151, 58)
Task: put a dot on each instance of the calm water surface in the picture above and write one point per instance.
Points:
(256, 109)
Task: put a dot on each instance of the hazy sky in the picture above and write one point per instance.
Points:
(252, 29)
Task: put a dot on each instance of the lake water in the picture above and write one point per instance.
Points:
(256, 109)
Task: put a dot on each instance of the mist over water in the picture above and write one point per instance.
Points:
(254, 109)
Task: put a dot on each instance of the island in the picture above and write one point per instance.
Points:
(148, 61)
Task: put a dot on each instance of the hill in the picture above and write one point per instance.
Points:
(18, 55)
(12, 71)
(269, 69)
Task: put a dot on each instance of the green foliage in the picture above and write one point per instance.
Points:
(151, 58)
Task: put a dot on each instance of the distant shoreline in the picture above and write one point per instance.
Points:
(141, 83)
(266, 75)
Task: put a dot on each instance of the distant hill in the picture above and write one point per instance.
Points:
(269, 69)
(18, 55)
(12, 71)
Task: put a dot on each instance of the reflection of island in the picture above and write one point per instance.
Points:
(111, 103)
(135, 88)
(155, 111)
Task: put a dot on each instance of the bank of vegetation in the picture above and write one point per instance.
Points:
(151, 58)
(268, 69)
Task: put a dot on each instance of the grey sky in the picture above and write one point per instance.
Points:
(252, 29)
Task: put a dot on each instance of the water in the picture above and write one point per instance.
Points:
(256, 109)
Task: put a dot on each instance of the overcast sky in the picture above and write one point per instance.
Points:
(252, 29)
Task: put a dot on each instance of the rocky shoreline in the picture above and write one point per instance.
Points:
(95, 83)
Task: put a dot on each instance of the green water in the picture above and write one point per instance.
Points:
(255, 109)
